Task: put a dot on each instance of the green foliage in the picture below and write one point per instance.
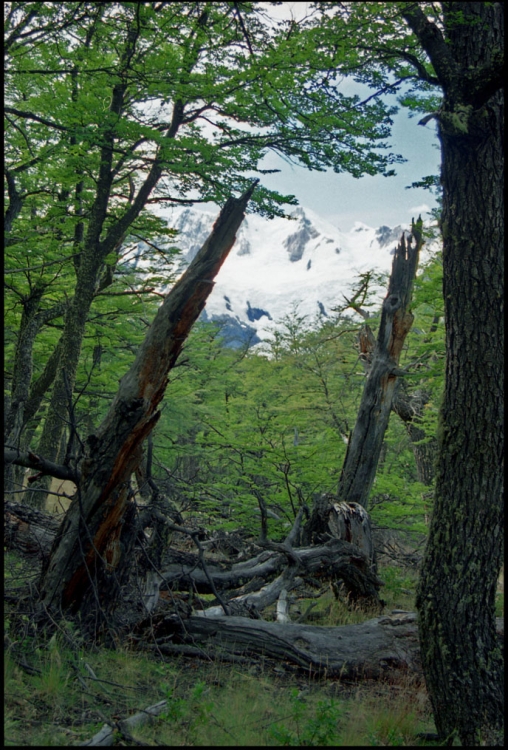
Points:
(270, 425)
(112, 107)
(316, 730)
(261, 424)
(239, 428)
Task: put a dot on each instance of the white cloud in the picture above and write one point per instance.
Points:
(422, 208)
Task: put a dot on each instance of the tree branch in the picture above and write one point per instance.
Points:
(32, 461)
(37, 118)
(434, 44)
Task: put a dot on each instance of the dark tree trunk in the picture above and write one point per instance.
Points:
(461, 657)
(364, 448)
(93, 545)
(370, 650)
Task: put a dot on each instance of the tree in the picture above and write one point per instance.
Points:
(364, 448)
(462, 660)
(280, 81)
(91, 553)
(456, 50)
(128, 104)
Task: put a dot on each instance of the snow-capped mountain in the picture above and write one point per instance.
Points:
(278, 263)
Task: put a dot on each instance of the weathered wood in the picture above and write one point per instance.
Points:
(348, 522)
(368, 650)
(28, 530)
(251, 585)
(106, 736)
(364, 447)
(372, 649)
(95, 535)
(336, 558)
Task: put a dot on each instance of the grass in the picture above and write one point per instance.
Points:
(73, 691)
(207, 704)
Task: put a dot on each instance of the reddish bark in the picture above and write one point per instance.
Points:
(91, 550)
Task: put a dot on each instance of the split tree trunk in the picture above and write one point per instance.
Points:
(364, 448)
(92, 548)
(365, 443)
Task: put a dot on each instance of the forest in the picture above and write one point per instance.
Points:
(298, 542)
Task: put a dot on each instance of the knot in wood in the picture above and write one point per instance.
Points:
(392, 303)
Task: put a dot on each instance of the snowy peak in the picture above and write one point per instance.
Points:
(389, 236)
(278, 264)
(296, 243)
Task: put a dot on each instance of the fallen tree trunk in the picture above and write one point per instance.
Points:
(248, 586)
(367, 650)
(371, 649)
(336, 558)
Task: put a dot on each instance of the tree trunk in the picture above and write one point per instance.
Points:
(92, 549)
(461, 657)
(364, 448)
(408, 406)
(372, 649)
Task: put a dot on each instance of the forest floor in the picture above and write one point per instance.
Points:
(59, 692)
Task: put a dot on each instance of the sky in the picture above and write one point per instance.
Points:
(373, 200)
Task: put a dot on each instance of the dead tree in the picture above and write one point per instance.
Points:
(364, 447)
(350, 523)
(339, 516)
(92, 549)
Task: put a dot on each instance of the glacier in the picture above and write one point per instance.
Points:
(277, 266)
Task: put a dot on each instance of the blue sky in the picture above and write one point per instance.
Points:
(376, 200)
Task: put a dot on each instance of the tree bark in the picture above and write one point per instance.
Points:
(462, 660)
(364, 448)
(29, 531)
(346, 515)
(408, 406)
(336, 558)
(372, 649)
(92, 548)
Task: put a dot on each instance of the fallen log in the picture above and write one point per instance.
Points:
(28, 530)
(372, 649)
(31, 531)
(107, 736)
(335, 559)
(368, 650)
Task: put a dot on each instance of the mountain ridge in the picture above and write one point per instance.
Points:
(279, 264)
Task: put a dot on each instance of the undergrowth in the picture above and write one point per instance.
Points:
(59, 692)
